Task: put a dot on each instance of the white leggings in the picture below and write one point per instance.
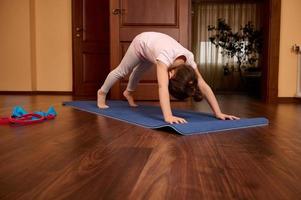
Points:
(130, 62)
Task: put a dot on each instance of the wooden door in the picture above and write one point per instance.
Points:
(91, 46)
(129, 18)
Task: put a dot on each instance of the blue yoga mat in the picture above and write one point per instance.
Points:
(151, 117)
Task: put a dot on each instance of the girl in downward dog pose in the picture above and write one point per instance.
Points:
(177, 74)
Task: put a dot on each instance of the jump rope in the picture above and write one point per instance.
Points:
(21, 117)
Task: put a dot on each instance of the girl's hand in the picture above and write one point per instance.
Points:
(173, 119)
(223, 116)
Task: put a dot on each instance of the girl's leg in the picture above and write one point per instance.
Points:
(128, 62)
(134, 80)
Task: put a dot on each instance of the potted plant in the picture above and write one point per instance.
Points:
(245, 45)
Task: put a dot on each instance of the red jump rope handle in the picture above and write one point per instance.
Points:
(4, 120)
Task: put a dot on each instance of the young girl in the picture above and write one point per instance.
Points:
(177, 74)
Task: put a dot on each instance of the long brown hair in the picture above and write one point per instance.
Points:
(184, 83)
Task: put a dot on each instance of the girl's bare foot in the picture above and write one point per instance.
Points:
(129, 97)
(101, 100)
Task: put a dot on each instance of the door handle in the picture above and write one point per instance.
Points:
(118, 11)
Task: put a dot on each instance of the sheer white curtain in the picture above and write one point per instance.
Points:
(208, 57)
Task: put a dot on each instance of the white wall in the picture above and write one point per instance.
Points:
(290, 34)
(35, 45)
(53, 45)
(15, 62)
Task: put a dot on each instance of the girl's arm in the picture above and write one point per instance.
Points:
(162, 76)
(210, 97)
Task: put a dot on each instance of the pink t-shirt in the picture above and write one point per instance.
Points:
(153, 46)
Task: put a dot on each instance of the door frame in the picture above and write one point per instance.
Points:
(114, 47)
(271, 50)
